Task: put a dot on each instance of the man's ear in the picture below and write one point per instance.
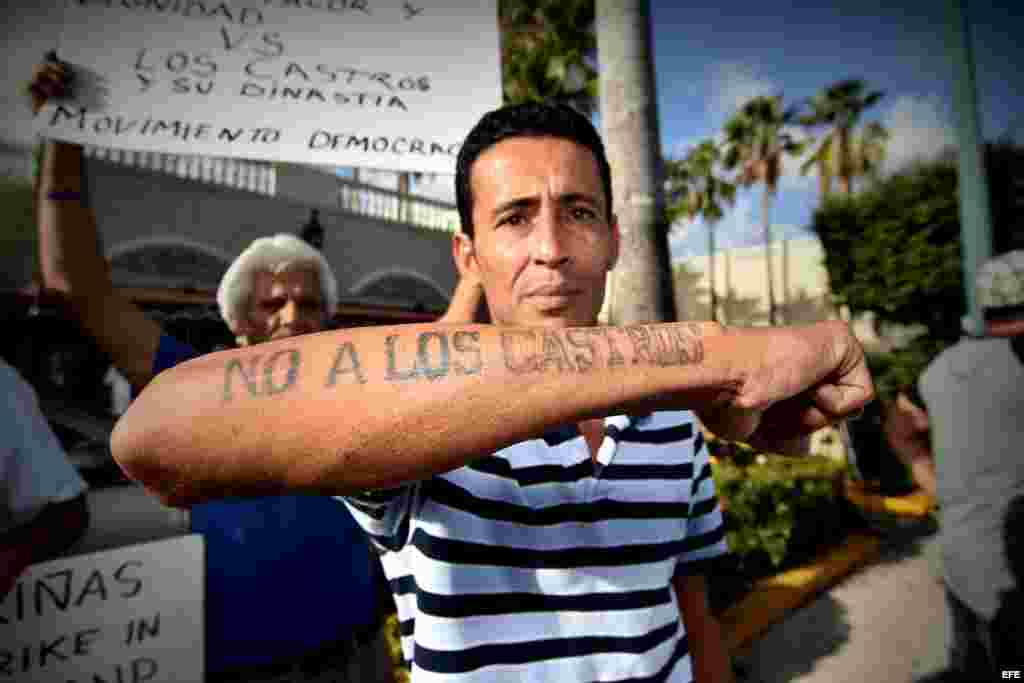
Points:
(464, 254)
(616, 240)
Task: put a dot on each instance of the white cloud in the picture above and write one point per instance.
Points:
(732, 84)
(918, 130)
(681, 146)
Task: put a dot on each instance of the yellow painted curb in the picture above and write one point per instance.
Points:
(774, 597)
(916, 504)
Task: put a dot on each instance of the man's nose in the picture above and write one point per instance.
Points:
(288, 313)
(549, 246)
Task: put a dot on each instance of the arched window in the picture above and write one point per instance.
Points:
(404, 289)
(168, 264)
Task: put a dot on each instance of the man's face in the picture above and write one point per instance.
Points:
(542, 242)
(284, 305)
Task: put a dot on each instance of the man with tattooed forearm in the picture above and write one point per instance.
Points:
(539, 487)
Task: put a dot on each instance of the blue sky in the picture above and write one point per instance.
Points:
(710, 58)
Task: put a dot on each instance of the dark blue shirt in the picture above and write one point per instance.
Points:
(284, 575)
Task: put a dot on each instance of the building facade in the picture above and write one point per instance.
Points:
(800, 285)
(176, 222)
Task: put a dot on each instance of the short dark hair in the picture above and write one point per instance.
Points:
(525, 120)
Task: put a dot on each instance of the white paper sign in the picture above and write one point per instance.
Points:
(132, 615)
(389, 84)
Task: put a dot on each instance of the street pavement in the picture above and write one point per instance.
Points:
(884, 623)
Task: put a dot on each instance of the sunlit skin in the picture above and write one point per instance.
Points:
(542, 242)
(283, 305)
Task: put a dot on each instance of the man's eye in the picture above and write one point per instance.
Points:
(583, 214)
(513, 220)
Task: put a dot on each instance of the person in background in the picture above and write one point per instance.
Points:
(289, 579)
(43, 508)
(974, 419)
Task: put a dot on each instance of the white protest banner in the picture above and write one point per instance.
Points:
(131, 615)
(388, 84)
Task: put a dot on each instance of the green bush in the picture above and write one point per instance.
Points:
(898, 370)
(778, 509)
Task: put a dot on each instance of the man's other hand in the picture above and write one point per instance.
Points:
(807, 378)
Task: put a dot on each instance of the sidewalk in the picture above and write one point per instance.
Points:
(884, 623)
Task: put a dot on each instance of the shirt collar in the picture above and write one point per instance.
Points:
(567, 432)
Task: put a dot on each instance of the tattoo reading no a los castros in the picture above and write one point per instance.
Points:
(434, 355)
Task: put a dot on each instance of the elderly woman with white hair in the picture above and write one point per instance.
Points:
(278, 287)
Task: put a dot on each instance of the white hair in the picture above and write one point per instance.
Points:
(277, 254)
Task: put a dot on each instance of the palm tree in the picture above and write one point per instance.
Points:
(822, 161)
(756, 141)
(869, 151)
(839, 107)
(640, 288)
(547, 49)
(695, 190)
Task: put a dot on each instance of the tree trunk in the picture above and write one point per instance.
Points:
(711, 270)
(824, 179)
(766, 205)
(641, 290)
(845, 162)
(786, 312)
(728, 288)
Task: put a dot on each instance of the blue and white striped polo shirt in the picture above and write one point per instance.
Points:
(536, 564)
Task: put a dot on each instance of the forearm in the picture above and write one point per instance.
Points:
(367, 408)
(711, 660)
(69, 249)
(915, 455)
(726, 420)
(72, 262)
(923, 473)
(708, 648)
